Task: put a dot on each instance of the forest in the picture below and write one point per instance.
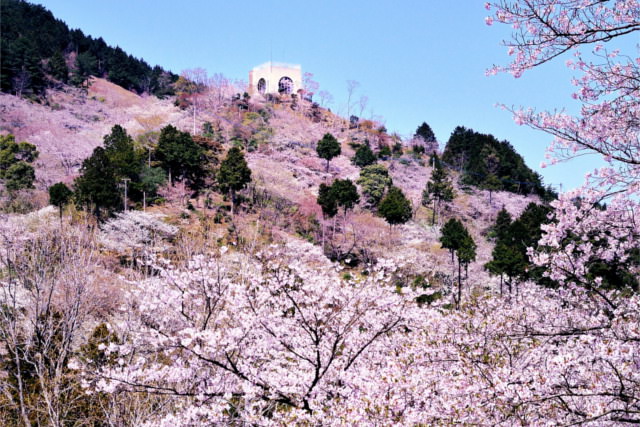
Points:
(40, 51)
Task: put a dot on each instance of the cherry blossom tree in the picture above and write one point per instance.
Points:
(252, 338)
(608, 125)
(280, 339)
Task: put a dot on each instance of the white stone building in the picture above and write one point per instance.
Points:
(275, 77)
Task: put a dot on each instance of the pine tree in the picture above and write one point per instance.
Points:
(97, 185)
(346, 194)
(180, 156)
(328, 148)
(451, 235)
(491, 183)
(502, 224)
(457, 239)
(327, 201)
(58, 67)
(424, 131)
(59, 195)
(234, 174)
(439, 188)
(395, 208)
(364, 156)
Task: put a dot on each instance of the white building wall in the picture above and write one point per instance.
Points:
(272, 72)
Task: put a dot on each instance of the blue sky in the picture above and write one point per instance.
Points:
(415, 60)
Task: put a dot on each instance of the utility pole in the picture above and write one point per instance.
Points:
(125, 180)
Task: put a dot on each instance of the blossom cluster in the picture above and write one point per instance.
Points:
(274, 340)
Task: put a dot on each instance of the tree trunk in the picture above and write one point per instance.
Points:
(327, 169)
(459, 283)
(433, 215)
(144, 201)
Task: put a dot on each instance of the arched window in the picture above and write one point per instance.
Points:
(285, 85)
(262, 86)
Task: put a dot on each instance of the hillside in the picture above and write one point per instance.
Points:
(286, 167)
(194, 251)
(40, 52)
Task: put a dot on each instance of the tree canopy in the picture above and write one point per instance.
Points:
(328, 148)
(180, 156)
(395, 208)
(16, 171)
(439, 188)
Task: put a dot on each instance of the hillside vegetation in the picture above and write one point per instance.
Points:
(213, 258)
(40, 51)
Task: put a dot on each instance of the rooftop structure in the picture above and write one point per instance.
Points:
(275, 77)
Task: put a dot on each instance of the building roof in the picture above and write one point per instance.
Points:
(270, 64)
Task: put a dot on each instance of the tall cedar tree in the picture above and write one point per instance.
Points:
(395, 208)
(121, 151)
(457, 239)
(328, 148)
(491, 183)
(234, 174)
(438, 189)
(450, 238)
(58, 67)
(180, 156)
(509, 256)
(502, 224)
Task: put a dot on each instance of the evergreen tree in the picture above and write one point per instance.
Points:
(424, 131)
(85, 67)
(328, 148)
(502, 224)
(374, 180)
(451, 235)
(15, 163)
(438, 189)
(327, 201)
(120, 149)
(346, 194)
(509, 256)
(19, 176)
(60, 196)
(58, 67)
(234, 174)
(364, 156)
(491, 183)
(457, 239)
(395, 208)
(97, 185)
(150, 180)
(180, 156)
